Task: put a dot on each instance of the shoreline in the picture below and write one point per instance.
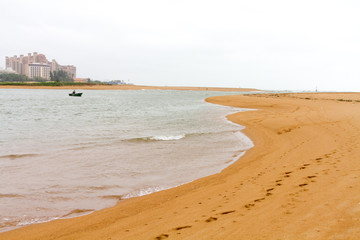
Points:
(299, 181)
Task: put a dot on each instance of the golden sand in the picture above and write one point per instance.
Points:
(299, 181)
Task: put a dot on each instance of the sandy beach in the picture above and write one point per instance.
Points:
(299, 181)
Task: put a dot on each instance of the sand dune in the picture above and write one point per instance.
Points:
(300, 181)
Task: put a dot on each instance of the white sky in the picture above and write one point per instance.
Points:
(278, 44)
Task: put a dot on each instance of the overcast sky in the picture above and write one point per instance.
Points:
(277, 44)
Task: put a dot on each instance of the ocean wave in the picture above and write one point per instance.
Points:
(102, 187)
(116, 197)
(10, 223)
(10, 195)
(16, 156)
(35, 221)
(167, 138)
(144, 191)
(7, 223)
(159, 138)
(77, 212)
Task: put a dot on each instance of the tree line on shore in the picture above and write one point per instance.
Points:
(57, 78)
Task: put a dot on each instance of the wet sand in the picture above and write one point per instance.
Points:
(299, 181)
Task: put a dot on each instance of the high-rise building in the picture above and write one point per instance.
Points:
(37, 65)
(39, 70)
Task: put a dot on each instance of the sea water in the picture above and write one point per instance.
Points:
(62, 156)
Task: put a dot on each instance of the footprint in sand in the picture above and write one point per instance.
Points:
(227, 212)
(259, 200)
(248, 206)
(211, 219)
(162, 236)
(311, 178)
(183, 227)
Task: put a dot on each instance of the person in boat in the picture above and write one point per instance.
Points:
(74, 92)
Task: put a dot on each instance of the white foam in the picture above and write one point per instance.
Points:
(167, 138)
(143, 192)
(36, 220)
(245, 141)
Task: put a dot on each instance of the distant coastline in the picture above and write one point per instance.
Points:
(123, 87)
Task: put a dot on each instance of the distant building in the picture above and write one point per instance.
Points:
(37, 65)
(7, 70)
(117, 82)
(38, 70)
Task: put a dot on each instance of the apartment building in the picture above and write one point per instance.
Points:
(38, 70)
(37, 65)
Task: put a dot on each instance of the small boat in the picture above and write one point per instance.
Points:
(75, 94)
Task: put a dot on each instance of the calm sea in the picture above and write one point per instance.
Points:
(62, 156)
